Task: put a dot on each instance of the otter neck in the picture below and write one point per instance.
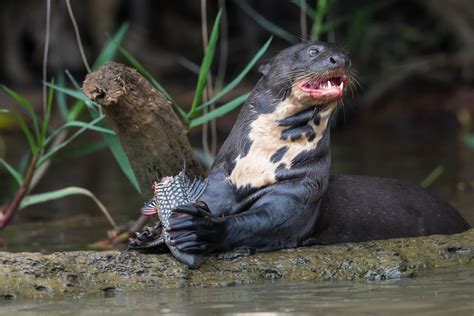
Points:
(279, 141)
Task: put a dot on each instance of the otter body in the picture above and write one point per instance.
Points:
(269, 187)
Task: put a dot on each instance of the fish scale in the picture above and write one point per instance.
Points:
(169, 193)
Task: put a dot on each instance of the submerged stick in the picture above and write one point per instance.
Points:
(151, 133)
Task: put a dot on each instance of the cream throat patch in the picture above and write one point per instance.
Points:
(257, 168)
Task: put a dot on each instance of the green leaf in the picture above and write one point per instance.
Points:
(206, 64)
(59, 194)
(267, 24)
(15, 174)
(319, 14)
(79, 105)
(71, 92)
(29, 136)
(83, 149)
(117, 150)
(239, 78)
(110, 50)
(47, 116)
(220, 111)
(76, 109)
(55, 150)
(61, 98)
(85, 125)
(29, 108)
(434, 174)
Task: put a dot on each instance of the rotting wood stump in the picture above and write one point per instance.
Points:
(151, 133)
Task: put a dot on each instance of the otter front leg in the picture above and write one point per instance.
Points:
(275, 221)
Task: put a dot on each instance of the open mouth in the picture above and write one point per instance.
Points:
(330, 87)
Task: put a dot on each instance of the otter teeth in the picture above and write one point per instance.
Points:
(329, 84)
(341, 85)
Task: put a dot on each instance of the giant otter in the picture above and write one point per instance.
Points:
(269, 187)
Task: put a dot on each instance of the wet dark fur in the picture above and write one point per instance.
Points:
(305, 206)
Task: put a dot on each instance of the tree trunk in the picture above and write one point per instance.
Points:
(151, 133)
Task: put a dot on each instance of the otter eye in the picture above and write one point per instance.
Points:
(313, 52)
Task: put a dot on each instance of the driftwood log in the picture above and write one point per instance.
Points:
(151, 133)
(80, 272)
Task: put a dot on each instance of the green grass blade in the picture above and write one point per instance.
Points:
(76, 110)
(29, 136)
(47, 116)
(77, 94)
(434, 174)
(121, 157)
(62, 193)
(61, 98)
(206, 65)
(56, 149)
(110, 50)
(86, 126)
(220, 111)
(12, 171)
(83, 149)
(80, 104)
(28, 107)
(267, 24)
(319, 14)
(73, 80)
(239, 78)
(141, 69)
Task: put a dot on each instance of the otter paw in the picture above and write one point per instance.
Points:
(194, 229)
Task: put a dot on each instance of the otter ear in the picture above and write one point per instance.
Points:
(263, 69)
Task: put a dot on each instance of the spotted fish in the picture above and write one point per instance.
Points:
(169, 193)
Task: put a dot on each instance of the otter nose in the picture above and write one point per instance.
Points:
(339, 60)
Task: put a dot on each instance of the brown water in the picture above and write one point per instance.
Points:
(448, 292)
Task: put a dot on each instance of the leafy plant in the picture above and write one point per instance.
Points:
(193, 117)
(45, 142)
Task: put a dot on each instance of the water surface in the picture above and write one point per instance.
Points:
(447, 292)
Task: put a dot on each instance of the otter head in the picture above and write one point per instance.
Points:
(285, 122)
(314, 74)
